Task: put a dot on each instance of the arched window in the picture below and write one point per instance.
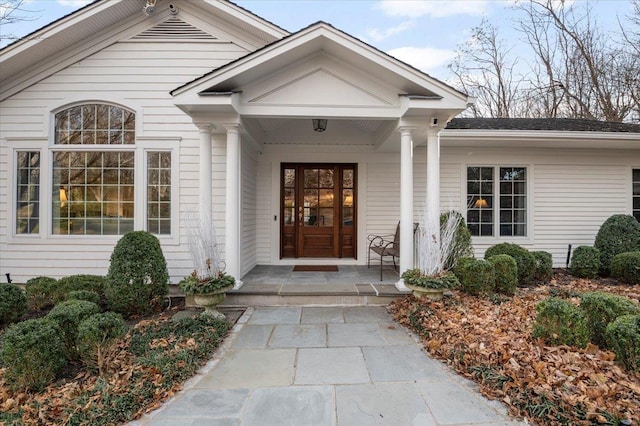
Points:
(93, 170)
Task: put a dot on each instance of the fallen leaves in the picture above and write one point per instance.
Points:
(492, 344)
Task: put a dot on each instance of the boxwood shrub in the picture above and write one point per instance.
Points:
(40, 292)
(560, 323)
(477, 276)
(626, 267)
(623, 337)
(544, 265)
(585, 262)
(81, 282)
(603, 308)
(95, 335)
(68, 315)
(87, 295)
(13, 303)
(618, 234)
(525, 260)
(138, 279)
(32, 354)
(506, 271)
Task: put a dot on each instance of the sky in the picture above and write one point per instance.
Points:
(423, 33)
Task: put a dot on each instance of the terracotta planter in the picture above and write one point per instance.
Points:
(429, 293)
(209, 301)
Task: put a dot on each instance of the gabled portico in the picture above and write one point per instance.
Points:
(264, 103)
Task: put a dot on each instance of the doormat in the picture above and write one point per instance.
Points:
(315, 268)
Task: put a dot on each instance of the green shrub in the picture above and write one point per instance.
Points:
(585, 262)
(13, 303)
(138, 277)
(525, 260)
(544, 265)
(461, 245)
(39, 292)
(623, 337)
(626, 267)
(461, 266)
(560, 323)
(477, 276)
(95, 335)
(618, 234)
(506, 270)
(603, 308)
(89, 296)
(66, 285)
(32, 354)
(68, 315)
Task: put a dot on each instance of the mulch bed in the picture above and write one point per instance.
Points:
(489, 340)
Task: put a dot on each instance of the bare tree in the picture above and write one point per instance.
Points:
(12, 11)
(631, 35)
(485, 70)
(586, 72)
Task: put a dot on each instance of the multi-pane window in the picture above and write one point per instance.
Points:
(159, 192)
(510, 213)
(93, 189)
(636, 193)
(480, 211)
(93, 192)
(95, 124)
(27, 192)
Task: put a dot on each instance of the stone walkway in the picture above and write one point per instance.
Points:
(325, 366)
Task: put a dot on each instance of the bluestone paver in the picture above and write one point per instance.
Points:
(329, 366)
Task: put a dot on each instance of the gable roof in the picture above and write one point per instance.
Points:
(551, 124)
(95, 26)
(316, 30)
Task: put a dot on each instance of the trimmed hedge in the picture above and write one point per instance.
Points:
(626, 267)
(560, 323)
(138, 278)
(33, 354)
(585, 262)
(603, 308)
(87, 295)
(477, 276)
(618, 234)
(525, 260)
(506, 270)
(544, 265)
(13, 304)
(68, 315)
(39, 292)
(81, 282)
(95, 335)
(623, 337)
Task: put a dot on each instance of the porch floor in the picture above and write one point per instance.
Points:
(268, 285)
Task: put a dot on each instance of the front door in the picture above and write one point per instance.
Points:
(318, 210)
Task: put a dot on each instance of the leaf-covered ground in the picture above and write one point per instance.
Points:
(489, 340)
(144, 369)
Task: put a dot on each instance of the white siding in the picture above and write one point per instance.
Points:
(138, 76)
(248, 211)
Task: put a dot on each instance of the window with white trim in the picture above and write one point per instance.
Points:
(504, 204)
(27, 192)
(159, 192)
(635, 182)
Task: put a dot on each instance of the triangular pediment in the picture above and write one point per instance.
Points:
(319, 87)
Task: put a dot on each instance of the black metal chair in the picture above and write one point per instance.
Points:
(385, 246)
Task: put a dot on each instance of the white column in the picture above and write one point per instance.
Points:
(432, 210)
(406, 203)
(205, 173)
(232, 229)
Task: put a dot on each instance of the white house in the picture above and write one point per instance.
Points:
(114, 120)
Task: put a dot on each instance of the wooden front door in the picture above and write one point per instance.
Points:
(318, 210)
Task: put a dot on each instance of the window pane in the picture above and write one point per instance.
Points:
(289, 177)
(636, 193)
(480, 200)
(28, 192)
(326, 217)
(95, 124)
(326, 178)
(347, 178)
(158, 192)
(326, 198)
(89, 194)
(513, 200)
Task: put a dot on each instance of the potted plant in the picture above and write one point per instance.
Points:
(208, 283)
(208, 291)
(429, 286)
